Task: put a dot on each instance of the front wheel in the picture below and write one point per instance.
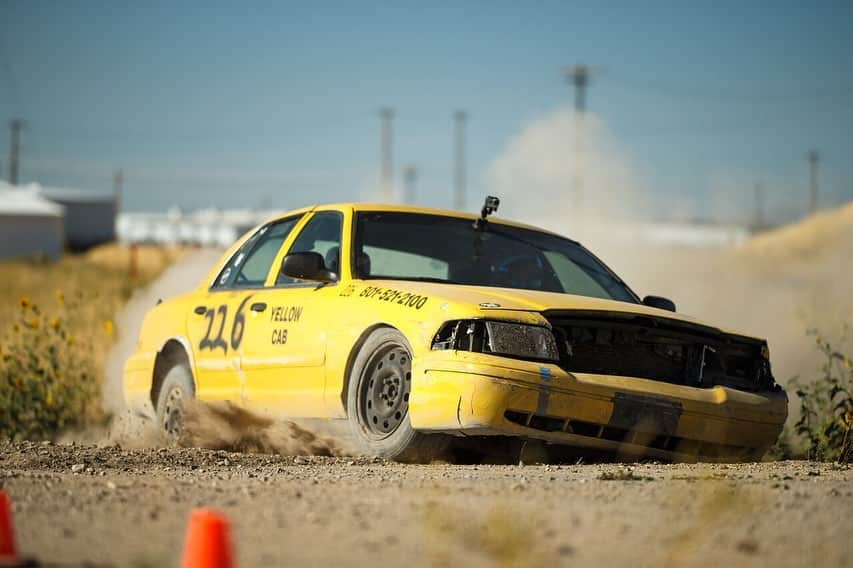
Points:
(378, 401)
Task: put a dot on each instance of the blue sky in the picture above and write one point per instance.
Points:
(224, 103)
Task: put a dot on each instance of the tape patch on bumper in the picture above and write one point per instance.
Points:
(645, 414)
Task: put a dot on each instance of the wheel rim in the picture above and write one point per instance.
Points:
(384, 390)
(173, 415)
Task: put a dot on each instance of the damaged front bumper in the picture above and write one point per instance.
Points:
(475, 394)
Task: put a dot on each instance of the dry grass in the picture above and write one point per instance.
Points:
(56, 326)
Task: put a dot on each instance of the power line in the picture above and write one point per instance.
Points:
(705, 94)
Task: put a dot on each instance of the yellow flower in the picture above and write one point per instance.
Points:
(48, 399)
(60, 297)
(33, 323)
(54, 323)
(108, 327)
(69, 340)
(846, 362)
(23, 302)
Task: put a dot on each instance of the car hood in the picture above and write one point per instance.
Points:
(495, 300)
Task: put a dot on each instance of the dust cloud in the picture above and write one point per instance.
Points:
(777, 285)
(179, 278)
(566, 172)
(225, 426)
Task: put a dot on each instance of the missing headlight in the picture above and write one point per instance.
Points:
(497, 338)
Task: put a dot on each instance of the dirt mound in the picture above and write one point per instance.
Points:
(778, 285)
(810, 240)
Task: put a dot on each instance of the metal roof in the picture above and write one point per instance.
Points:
(26, 201)
(75, 195)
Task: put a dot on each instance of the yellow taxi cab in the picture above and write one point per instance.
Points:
(423, 326)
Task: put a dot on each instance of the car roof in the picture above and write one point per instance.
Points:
(397, 208)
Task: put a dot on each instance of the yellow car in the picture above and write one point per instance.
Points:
(423, 327)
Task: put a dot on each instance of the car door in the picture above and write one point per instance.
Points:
(217, 322)
(285, 350)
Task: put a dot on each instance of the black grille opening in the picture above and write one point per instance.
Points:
(621, 435)
(516, 417)
(547, 423)
(659, 349)
(615, 434)
(584, 428)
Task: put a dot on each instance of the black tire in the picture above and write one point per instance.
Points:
(378, 401)
(177, 388)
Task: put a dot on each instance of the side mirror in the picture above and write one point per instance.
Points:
(659, 302)
(307, 266)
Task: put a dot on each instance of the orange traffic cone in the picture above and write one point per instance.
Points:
(207, 544)
(7, 537)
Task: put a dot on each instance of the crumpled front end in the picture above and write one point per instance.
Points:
(476, 394)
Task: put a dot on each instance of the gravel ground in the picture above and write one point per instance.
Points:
(83, 505)
(77, 504)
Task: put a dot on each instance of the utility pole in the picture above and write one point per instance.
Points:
(814, 159)
(16, 126)
(579, 76)
(387, 116)
(410, 176)
(758, 214)
(118, 181)
(459, 166)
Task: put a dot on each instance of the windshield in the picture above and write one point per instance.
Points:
(414, 246)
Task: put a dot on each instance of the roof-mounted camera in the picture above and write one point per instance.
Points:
(489, 206)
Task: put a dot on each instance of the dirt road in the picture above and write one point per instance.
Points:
(76, 504)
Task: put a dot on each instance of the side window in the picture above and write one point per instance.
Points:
(249, 267)
(322, 234)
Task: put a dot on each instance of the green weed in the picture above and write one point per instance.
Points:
(825, 425)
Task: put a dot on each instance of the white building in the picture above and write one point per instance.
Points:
(204, 227)
(30, 225)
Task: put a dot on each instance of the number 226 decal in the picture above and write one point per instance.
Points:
(238, 326)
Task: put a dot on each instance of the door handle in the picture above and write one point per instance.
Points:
(258, 307)
(200, 310)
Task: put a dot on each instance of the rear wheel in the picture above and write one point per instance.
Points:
(378, 401)
(176, 390)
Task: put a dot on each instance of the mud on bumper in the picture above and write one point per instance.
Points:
(472, 394)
